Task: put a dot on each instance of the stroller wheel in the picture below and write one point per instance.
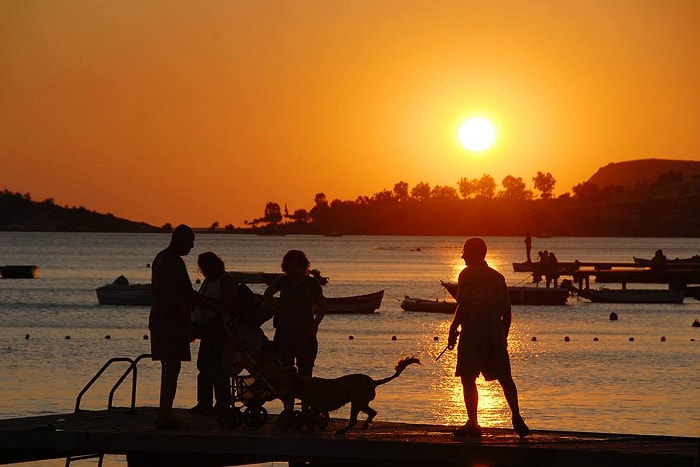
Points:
(255, 416)
(323, 420)
(230, 417)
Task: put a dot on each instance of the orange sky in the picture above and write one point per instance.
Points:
(202, 111)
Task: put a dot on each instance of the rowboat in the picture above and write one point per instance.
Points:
(523, 295)
(19, 272)
(246, 277)
(428, 306)
(121, 292)
(692, 262)
(674, 296)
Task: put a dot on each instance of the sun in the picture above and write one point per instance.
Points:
(476, 134)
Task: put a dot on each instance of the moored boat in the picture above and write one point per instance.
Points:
(428, 306)
(524, 295)
(19, 271)
(121, 292)
(673, 296)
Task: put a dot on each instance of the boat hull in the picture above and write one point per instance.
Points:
(672, 296)
(428, 306)
(19, 272)
(541, 296)
(140, 295)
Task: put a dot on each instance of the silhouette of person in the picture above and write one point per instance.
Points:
(169, 319)
(528, 246)
(298, 312)
(658, 262)
(484, 315)
(213, 379)
(552, 270)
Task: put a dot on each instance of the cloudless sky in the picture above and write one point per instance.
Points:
(202, 111)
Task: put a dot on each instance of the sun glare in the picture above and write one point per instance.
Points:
(476, 134)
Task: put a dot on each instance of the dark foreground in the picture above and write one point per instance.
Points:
(205, 443)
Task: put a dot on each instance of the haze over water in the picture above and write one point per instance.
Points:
(615, 385)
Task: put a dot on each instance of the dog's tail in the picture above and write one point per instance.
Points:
(400, 366)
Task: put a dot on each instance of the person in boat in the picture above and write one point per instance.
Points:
(658, 262)
(169, 320)
(484, 315)
(528, 246)
(298, 312)
(552, 270)
(212, 378)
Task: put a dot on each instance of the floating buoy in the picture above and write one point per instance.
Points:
(393, 338)
(613, 316)
(595, 339)
(534, 338)
(67, 337)
(696, 324)
(108, 336)
(566, 339)
(663, 338)
(435, 338)
(148, 265)
(26, 336)
(351, 337)
(631, 339)
(692, 340)
(145, 337)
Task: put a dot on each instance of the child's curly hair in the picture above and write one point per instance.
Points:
(295, 256)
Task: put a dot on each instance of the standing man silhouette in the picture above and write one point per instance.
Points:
(169, 320)
(528, 246)
(483, 313)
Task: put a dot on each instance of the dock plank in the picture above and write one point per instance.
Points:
(119, 431)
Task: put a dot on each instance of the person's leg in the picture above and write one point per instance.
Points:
(205, 384)
(471, 399)
(307, 350)
(221, 378)
(170, 371)
(510, 392)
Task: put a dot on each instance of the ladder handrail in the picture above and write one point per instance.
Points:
(132, 367)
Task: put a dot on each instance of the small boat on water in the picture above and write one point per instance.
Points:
(121, 292)
(428, 306)
(563, 267)
(245, 277)
(674, 296)
(524, 295)
(692, 262)
(19, 271)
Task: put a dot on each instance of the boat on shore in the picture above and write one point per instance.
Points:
(671, 296)
(525, 295)
(15, 271)
(428, 306)
(121, 292)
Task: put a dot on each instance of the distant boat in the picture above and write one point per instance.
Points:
(633, 295)
(523, 295)
(428, 306)
(244, 277)
(19, 272)
(692, 262)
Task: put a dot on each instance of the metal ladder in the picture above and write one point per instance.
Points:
(132, 368)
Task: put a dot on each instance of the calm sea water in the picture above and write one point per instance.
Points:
(614, 385)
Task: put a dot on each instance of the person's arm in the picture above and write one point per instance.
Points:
(269, 294)
(319, 308)
(454, 327)
(507, 315)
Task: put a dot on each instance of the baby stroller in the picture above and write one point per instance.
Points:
(257, 376)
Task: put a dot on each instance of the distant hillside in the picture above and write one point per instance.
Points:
(630, 174)
(19, 212)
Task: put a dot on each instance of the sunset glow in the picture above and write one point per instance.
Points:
(203, 115)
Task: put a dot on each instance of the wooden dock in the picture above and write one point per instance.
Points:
(133, 433)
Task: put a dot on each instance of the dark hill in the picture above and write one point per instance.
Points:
(19, 212)
(631, 174)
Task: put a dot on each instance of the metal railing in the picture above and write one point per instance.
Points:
(133, 362)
